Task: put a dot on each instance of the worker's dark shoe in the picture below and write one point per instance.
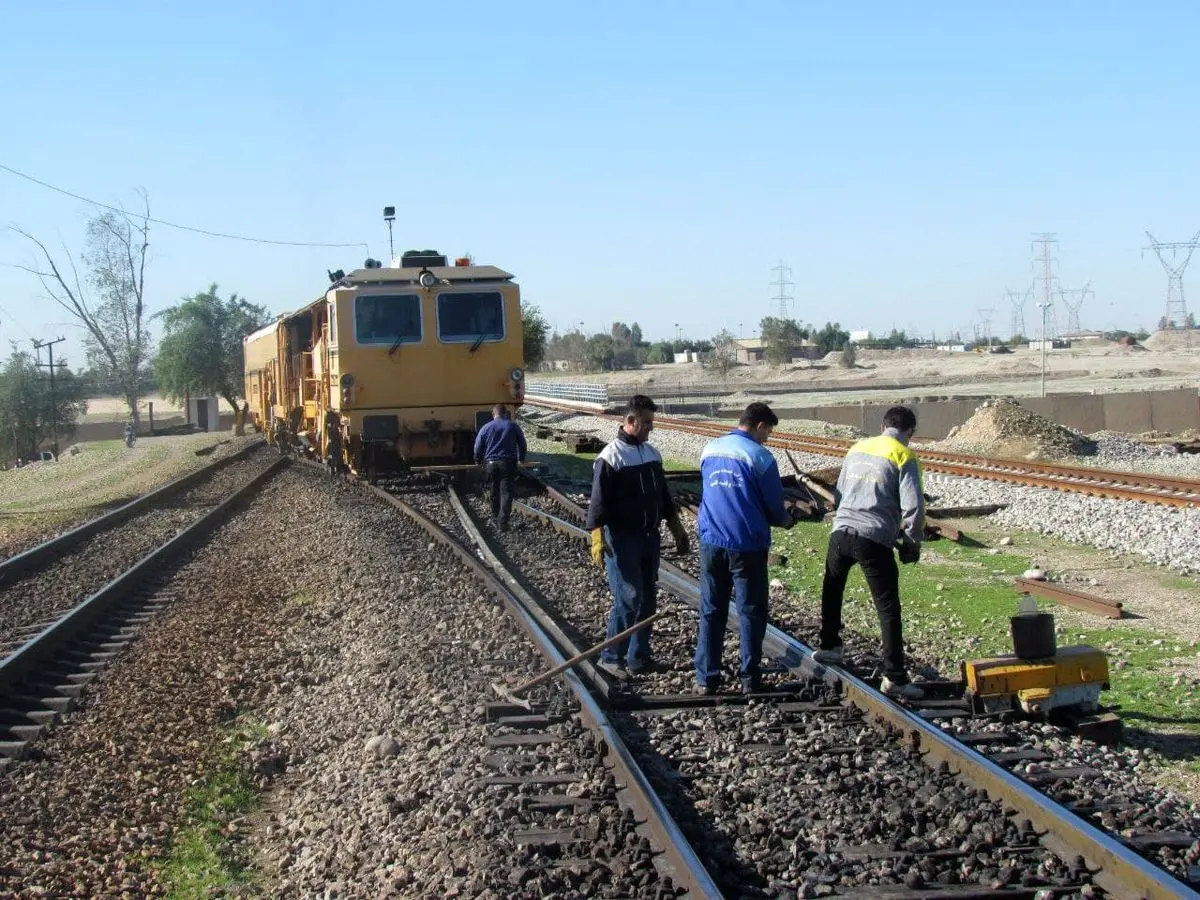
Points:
(832, 657)
(752, 686)
(613, 670)
(709, 690)
(647, 667)
(901, 691)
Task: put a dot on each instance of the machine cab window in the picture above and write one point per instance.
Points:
(387, 319)
(470, 317)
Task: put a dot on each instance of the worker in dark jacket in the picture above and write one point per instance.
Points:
(880, 506)
(500, 445)
(629, 501)
(742, 498)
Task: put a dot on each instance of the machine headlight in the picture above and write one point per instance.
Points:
(427, 279)
(347, 381)
(517, 376)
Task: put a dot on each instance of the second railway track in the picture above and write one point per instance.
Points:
(1137, 486)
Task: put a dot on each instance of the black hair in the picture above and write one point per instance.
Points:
(758, 414)
(501, 410)
(640, 404)
(901, 418)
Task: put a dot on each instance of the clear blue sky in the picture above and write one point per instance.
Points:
(633, 161)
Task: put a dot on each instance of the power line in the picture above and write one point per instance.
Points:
(204, 231)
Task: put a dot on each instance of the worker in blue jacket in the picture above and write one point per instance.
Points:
(500, 445)
(742, 498)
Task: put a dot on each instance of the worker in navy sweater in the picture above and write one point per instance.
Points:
(500, 445)
(629, 501)
(742, 498)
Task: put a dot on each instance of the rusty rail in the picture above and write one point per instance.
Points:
(1111, 609)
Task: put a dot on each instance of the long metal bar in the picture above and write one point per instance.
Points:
(1091, 603)
(26, 658)
(1120, 870)
(35, 557)
(678, 859)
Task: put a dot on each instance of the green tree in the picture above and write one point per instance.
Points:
(599, 353)
(533, 325)
(201, 350)
(27, 417)
(831, 337)
(622, 334)
(723, 356)
(782, 338)
(659, 353)
(635, 334)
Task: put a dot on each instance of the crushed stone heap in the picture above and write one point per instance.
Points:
(1002, 427)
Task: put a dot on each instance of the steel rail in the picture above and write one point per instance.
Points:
(36, 557)
(25, 660)
(678, 860)
(1111, 609)
(1136, 486)
(1115, 867)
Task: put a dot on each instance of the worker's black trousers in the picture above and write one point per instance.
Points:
(502, 476)
(846, 549)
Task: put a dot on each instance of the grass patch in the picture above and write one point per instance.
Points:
(957, 602)
(208, 858)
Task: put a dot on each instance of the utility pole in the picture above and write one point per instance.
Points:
(986, 316)
(1044, 305)
(1045, 261)
(49, 345)
(782, 296)
(1073, 300)
(389, 216)
(1176, 316)
(1018, 301)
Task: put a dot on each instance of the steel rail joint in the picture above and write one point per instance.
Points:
(21, 563)
(29, 655)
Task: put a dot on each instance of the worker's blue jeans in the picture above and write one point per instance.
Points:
(633, 577)
(742, 575)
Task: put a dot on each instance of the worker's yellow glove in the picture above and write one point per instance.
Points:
(682, 542)
(598, 547)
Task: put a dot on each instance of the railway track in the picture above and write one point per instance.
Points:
(929, 831)
(1145, 488)
(51, 651)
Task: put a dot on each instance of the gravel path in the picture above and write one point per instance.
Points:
(43, 595)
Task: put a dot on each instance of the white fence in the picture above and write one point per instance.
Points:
(574, 391)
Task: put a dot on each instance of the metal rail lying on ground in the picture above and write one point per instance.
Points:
(26, 659)
(35, 557)
(1090, 602)
(1116, 867)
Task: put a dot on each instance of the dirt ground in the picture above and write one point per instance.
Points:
(113, 409)
(1106, 368)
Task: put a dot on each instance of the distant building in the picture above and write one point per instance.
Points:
(1052, 344)
(1084, 337)
(857, 337)
(952, 348)
(687, 356)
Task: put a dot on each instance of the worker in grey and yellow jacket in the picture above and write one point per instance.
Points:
(880, 506)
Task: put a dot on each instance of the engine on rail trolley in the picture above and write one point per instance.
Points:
(392, 366)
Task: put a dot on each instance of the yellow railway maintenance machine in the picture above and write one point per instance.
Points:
(1040, 679)
(392, 366)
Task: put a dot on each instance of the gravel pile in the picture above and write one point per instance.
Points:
(377, 726)
(102, 795)
(42, 595)
(1002, 426)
